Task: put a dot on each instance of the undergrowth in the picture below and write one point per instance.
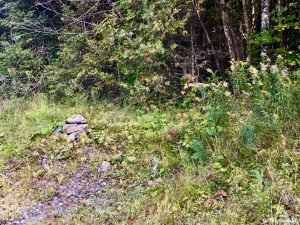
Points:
(222, 157)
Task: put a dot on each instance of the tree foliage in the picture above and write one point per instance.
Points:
(137, 48)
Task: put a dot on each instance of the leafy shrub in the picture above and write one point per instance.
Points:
(200, 154)
(120, 57)
(246, 136)
(285, 20)
(21, 71)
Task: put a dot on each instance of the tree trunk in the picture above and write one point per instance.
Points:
(265, 12)
(193, 52)
(247, 19)
(209, 41)
(227, 33)
(265, 20)
(235, 46)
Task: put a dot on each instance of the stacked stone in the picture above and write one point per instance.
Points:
(75, 126)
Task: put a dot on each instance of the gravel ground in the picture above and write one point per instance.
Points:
(96, 190)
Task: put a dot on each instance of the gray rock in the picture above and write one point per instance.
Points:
(104, 166)
(75, 128)
(66, 126)
(72, 137)
(57, 131)
(79, 119)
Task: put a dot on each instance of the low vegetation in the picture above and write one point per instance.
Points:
(192, 164)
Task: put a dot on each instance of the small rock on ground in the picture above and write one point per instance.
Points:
(104, 166)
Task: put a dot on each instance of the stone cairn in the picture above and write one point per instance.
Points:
(74, 127)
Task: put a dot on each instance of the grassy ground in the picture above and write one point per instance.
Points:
(202, 164)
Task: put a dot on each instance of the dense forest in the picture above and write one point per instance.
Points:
(148, 48)
(189, 110)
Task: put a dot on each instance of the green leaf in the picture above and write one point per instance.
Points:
(217, 166)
